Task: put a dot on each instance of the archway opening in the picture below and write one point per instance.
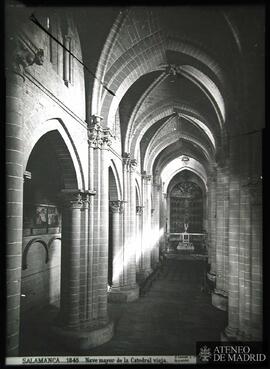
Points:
(186, 213)
(49, 170)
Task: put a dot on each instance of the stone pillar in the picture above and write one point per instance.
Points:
(117, 246)
(236, 260)
(256, 326)
(220, 294)
(84, 251)
(129, 290)
(14, 193)
(132, 221)
(18, 57)
(139, 250)
(256, 323)
(70, 258)
(91, 244)
(85, 322)
(147, 234)
(103, 199)
(234, 250)
(99, 139)
(155, 226)
(245, 265)
(245, 244)
(126, 214)
(163, 222)
(212, 227)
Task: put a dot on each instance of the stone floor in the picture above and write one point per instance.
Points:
(168, 320)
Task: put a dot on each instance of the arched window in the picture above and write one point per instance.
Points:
(186, 207)
(68, 60)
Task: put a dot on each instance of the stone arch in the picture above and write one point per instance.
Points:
(172, 152)
(149, 161)
(114, 197)
(119, 74)
(67, 148)
(176, 165)
(171, 126)
(52, 170)
(179, 170)
(138, 193)
(115, 191)
(27, 247)
(103, 61)
(159, 112)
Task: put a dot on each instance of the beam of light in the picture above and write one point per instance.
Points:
(128, 254)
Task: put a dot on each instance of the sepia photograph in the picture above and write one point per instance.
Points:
(134, 140)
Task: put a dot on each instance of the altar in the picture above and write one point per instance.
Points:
(184, 242)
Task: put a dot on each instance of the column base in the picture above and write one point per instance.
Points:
(124, 294)
(84, 338)
(220, 300)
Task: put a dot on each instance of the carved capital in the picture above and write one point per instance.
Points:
(98, 137)
(95, 120)
(139, 210)
(126, 158)
(147, 177)
(116, 206)
(76, 199)
(106, 138)
(86, 197)
(72, 199)
(19, 55)
(133, 165)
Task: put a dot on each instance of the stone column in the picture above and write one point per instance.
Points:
(70, 258)
(103, 198)
(90, 236)
(233, 275)
(99, 142)
(236, 296)
(126, 214)
(129, 290)
(84, 258)
(85, 322)
(256, 322)
(147, 234)
(245, 264)
(162, 219)
(212, 228)
(117, 246)
(17, 59)
(156, 226)
(220, 294)
(132, 221)
(139, 250)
